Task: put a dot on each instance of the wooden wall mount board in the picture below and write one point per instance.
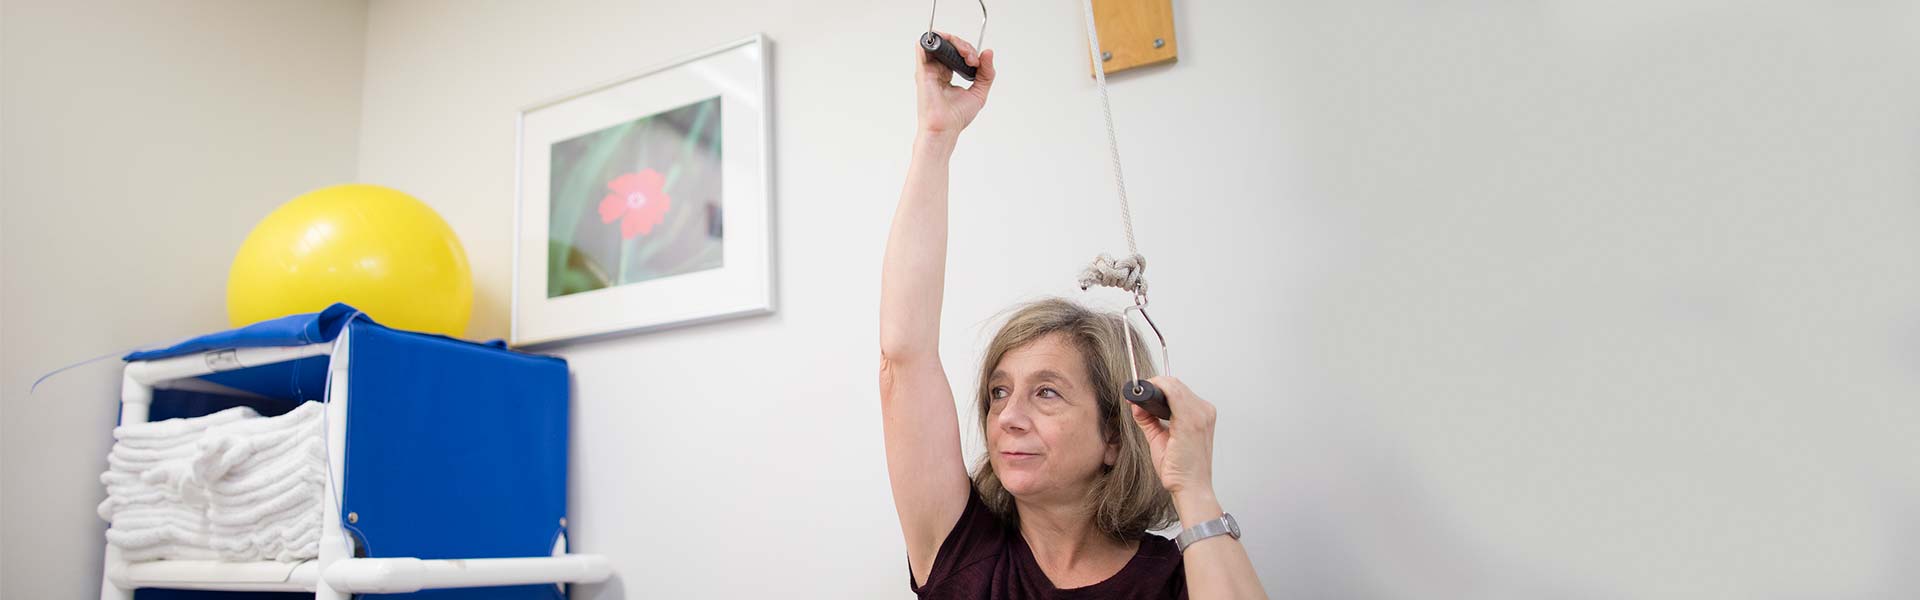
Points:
(1129, 29)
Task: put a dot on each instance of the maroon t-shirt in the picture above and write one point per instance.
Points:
(984, 558)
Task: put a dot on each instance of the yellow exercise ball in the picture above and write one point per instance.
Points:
(375, 248)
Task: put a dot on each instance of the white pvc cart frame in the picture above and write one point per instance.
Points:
(336, 574)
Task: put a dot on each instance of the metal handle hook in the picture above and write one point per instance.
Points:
(979, 41)
(1166, 358)
(944, 52)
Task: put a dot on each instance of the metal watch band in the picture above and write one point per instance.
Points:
(1221, 526)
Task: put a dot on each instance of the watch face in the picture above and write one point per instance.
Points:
(1233, 526)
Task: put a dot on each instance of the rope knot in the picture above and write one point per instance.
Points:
(1128, 273)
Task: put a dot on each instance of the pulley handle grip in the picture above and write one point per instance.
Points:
(944, 51)
(1148, 396)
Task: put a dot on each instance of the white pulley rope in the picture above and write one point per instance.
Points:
(1128, 272)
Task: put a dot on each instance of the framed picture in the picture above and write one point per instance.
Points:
(646, 202)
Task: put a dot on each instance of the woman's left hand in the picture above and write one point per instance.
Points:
(1182, 448)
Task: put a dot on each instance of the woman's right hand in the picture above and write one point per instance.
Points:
(945, 109)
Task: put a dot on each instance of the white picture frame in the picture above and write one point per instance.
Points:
(661, 272)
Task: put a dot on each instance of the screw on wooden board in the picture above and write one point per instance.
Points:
(1159, 42)
(1106, 56)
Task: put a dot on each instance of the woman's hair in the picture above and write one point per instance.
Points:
(1126, 499)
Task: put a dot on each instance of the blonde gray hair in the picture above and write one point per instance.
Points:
(1126, 499)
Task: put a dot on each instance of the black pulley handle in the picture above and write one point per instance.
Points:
(1138, 390)
(947, 54)
(944, 51)
(1149, 397)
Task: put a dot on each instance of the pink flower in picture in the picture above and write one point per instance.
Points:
(637, 200)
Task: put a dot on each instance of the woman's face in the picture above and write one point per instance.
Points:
(1043, 422)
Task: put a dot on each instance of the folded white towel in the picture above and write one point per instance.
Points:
(229, 486)
(147, 533)
(239, 445)
(309, 479)
(288, 526)
(135, 488)
(147, 536)
(231, 475)
(294, 499)
(136, 516)
(291, 526)
(265, 490)
(293, 538)
(151, 519)
(149, 454)
(126, 482)
(167, 432)
(119, 503)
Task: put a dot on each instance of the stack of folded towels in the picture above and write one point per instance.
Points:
(232, 485)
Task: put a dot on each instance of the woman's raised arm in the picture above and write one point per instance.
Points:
(922, 431)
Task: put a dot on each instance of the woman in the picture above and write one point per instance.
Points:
(1074, 476)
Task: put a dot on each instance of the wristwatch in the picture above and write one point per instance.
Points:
(1225, 525)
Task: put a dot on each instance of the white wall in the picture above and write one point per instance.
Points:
(723, 460)
(142, 141)
(1498, 300)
